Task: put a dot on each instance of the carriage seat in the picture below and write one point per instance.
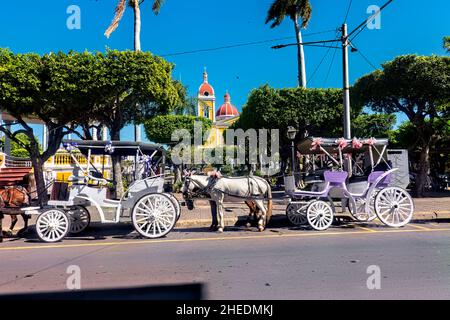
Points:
(336, 178)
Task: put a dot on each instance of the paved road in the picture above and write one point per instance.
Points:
(283, 263)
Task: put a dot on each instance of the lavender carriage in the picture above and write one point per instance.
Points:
(368, 194)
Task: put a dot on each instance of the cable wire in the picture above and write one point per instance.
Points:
(241, 44)
(348, 11)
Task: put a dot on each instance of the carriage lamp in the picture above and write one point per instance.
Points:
(291, 133)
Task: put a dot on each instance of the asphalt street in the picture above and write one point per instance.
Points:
(281, 263)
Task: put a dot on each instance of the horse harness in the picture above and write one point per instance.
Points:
(10, 201)
(204, 192)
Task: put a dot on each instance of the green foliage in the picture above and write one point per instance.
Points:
(317, 110)
(159, 129)
(373, 125)
(135, 86)
(293, 8)
(446, 43)
(419, 87)
(17, 149)
(414, 85)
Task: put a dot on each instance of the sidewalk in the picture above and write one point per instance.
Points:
(426, 209)
(435, 208)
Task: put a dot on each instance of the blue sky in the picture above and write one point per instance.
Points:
(407, 26)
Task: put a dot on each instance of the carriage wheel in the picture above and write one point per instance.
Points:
(154, 215)
(52, 225)
(361, 215)
(175, 203)
(394, 207)
(296, 214)
(319, 215)
(79, 219)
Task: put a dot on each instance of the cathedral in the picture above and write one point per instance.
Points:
(224, 117)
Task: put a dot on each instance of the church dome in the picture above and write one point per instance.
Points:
(227, 110)
(205, 88)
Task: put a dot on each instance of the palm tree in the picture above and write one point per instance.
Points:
(296, 10)
(135, 4)
(447, 44)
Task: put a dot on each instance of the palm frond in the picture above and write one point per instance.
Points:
(157, 4)
(293, 8)
(305, 11)
(277, 12)
(118, 14)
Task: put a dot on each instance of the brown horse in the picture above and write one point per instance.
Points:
(12, 198)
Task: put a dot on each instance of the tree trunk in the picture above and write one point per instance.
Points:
(117, 169)
(300, 55)
(38, 164)
(137, 26)
(422, 174)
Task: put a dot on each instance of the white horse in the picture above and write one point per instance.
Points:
(230, 189)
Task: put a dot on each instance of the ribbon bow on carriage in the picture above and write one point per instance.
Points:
(371, 141)
(342, 143)
(316, 144)
(109, 148)
(70, 146)
(356, 144)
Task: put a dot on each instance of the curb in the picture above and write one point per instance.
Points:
(280, 220)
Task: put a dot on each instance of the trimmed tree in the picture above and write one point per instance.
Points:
(134, 86)
(419, 87)
(373, 125)
(159, 129)
(32, 86)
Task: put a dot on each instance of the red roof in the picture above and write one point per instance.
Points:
(227, 109)
(205, 88)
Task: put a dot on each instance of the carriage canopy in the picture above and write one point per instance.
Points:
(316, 145)
(121, 148)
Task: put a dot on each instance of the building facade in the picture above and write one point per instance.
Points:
(222, 118)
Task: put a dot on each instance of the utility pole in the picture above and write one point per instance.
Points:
(346, 85)
(346, 92)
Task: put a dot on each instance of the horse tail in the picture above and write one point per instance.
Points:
(269, 203)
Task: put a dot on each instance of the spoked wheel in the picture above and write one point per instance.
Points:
(79, 219)
(296, 213)
(394, 207)
(52, 225)
(154, 215)
(319, 215)
(361, 214)
(176, 204)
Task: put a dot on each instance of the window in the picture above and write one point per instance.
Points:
(206, 93)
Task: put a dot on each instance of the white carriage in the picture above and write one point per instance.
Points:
(152, 212)
(368, 194)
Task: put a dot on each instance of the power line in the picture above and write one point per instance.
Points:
(362, 26)
(329, 69)
(318, 66)
(240, 44)
(348, 11)
(367, 59)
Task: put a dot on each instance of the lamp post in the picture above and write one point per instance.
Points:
(291, 133)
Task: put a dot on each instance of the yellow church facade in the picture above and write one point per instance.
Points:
(222, 118)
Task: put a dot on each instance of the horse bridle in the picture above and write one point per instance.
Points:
(202, 192)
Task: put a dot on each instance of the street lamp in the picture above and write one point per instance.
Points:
(291, 133)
